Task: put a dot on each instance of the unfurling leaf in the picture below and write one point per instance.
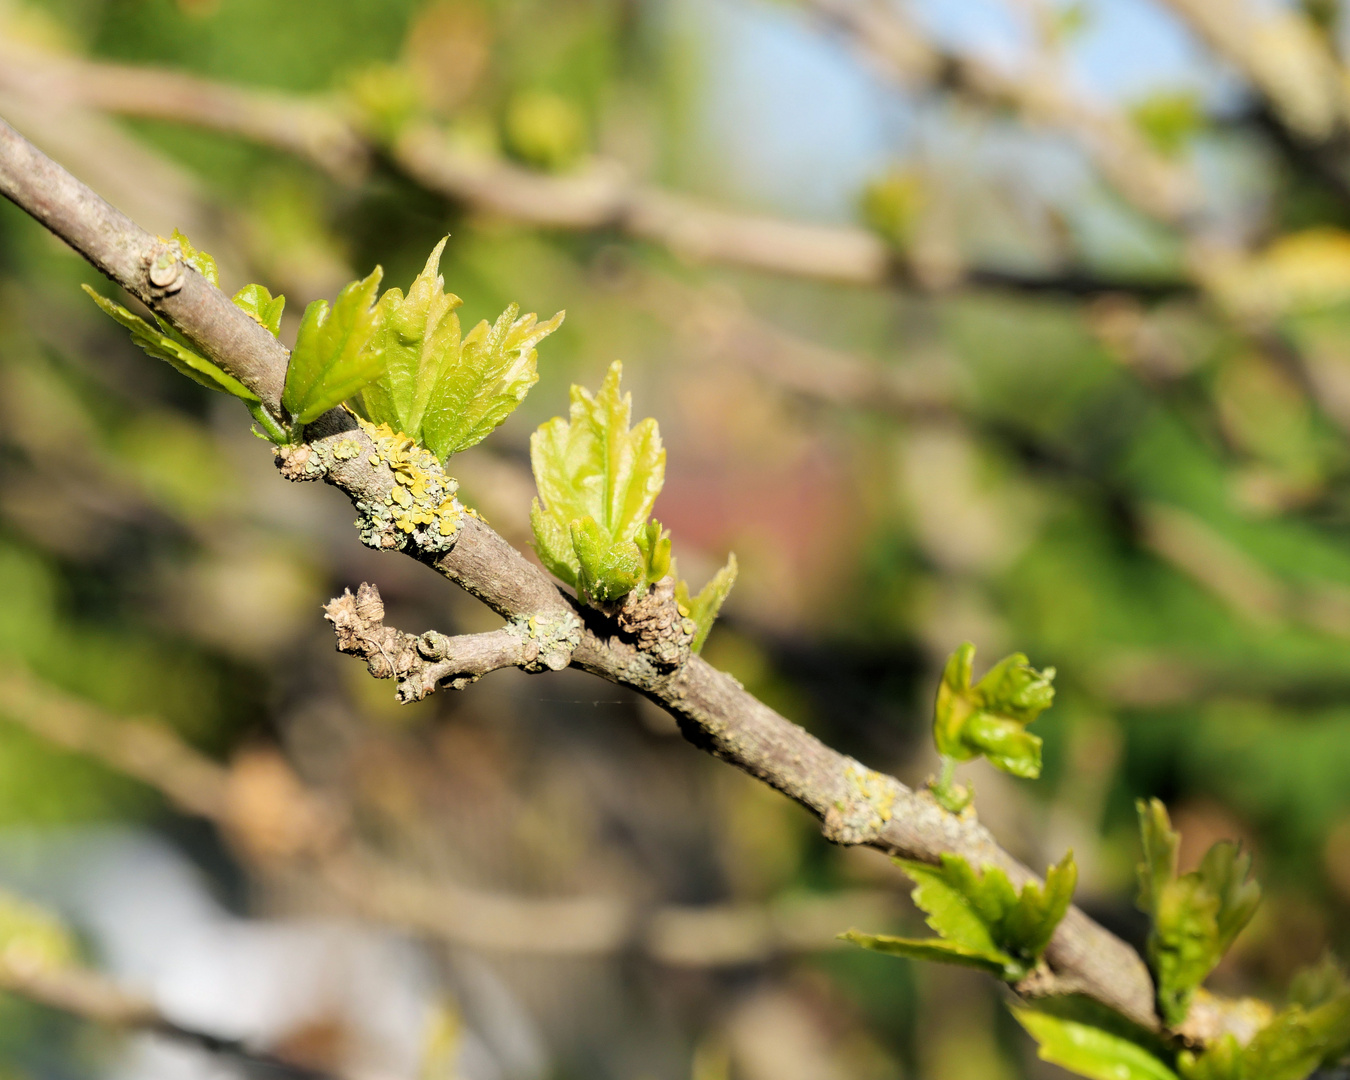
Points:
(990, 717)
(609, 568)
(1291, 1047)
(598, 480)
(1089, 1050)
(333, 360)
(1195, 916)
(446, 392)
(165, 343)
(261, 306)
(199, 260)
(980, 920)
(704, 607)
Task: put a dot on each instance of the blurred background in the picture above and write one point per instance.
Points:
(1015, 321)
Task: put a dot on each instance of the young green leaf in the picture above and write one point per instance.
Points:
(981, 921)
(1091, 1051)
(654, 543)
(261, 306)
(990, 717)
(1196, 916)
(704, 607)
(444, 392)
(608, 568)
(199, 260)
(935, 949)
(168, 345)
(594, 466)
(332, 360)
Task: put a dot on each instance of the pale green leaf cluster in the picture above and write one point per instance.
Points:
(598, 476)
(1196, 916)
(446, 391)
(401, 361)
(981, 921)
(990, 717)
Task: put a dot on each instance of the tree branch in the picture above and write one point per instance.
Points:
(1161, 189)
(601, 197)
(90, 996)
(855, 804)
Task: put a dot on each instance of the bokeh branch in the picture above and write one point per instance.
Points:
(601, 196)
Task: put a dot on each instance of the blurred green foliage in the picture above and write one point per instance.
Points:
(1131, 490)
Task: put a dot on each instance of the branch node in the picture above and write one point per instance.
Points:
(861, 812)
(652, 619)
(423, 663)
(549, 638)
(167, 270)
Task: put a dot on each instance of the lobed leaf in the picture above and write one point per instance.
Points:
(989, 718)
(704, 607)
(261, 306)
(1091, 1051)
(446, 392)
(594, 466)
(1196, 916)
(332, 360)
(163, 343)
(979, 918)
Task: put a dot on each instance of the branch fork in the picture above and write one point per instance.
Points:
(423, 663)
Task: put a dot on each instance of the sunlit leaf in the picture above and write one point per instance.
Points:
(261, 306)
(1091, 1051)
(199, 260)
(594, 466)
(446, 392)
(332, 360)
(704, 607)
(167, 345)
(980, 919)
(990, 717)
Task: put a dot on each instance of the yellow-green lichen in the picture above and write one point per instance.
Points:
(346, 450)
(421, 507)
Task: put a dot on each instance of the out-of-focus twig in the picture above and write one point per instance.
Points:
(271, 816)
(601, 196)
(311, 128)
(1283, 56)
(91, 996)
(1160, 188)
